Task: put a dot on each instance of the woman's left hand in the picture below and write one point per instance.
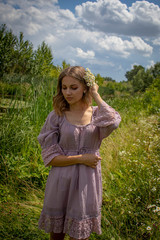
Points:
(94, 90)
(95, 95)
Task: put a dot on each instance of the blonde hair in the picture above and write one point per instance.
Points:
(59, 103)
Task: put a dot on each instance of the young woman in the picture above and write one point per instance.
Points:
(70, 141)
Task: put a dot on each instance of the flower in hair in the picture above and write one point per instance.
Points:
(89, 78)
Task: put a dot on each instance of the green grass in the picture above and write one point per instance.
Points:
(130, 169)
(131, 180)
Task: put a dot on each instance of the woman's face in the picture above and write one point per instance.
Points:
(72, 90)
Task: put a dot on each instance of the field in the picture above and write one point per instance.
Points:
(130, 166)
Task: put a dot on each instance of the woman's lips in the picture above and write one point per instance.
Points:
(69, 98)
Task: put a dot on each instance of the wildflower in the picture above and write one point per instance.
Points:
(154, 189)
(89, 78)
(157, 209)
(148, 228)
(122, 153)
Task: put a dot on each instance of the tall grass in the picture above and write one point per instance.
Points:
(131, 186)
(20, 151)
(130, 169)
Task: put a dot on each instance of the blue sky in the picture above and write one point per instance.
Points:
(107, 36)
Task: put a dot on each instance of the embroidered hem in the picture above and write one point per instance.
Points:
(75, 228)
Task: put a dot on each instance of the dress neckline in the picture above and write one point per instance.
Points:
(80, 125)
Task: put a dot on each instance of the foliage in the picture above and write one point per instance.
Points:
(109, 79)
(115, 89)
(43, 60)
(130, 74)
(152, 97)
(141, 79)
(155, 70)
(7, 43)
(99, 79)
(17, 56)
(65, 65)
(23, 56)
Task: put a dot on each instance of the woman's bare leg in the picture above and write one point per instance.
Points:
(57, 236)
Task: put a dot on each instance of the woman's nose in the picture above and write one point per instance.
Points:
(68, 92)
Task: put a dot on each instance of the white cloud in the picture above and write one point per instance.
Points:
(115, 44)
(50, 39)
(33, 16)
(141, 46)
(82, 54)
(146, 12)
(112, 10)
(156, 41)
(33, 28)
(124, 48)
(111, 16)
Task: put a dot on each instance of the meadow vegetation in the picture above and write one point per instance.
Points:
(130, 155)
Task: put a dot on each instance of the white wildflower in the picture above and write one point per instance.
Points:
(149, 228)
(157, 209)
(89, 78)
(122, 153)
(154, 189)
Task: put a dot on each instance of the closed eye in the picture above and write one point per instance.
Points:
(74, 88)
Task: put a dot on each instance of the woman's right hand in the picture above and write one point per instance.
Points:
(90, 160)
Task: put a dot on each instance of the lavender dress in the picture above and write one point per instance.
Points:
(73, 194)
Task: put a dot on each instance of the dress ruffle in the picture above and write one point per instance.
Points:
(49, 153)
(107, 119)
(79, 229)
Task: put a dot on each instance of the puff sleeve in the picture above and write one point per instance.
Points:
(48, 138)
(107, 119)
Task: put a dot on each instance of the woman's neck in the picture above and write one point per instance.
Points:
(78, 107)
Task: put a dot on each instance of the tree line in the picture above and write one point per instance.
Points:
(18, 58)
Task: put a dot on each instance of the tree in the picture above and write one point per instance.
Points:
(109, 79)
(137, 81)
(65, 65)
(130, 74)
(99, 79)
(43, 60)
(155, 70)
(142, 80)
(23, 56)
(7, 44)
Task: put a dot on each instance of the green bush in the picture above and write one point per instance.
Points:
(151, 97)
